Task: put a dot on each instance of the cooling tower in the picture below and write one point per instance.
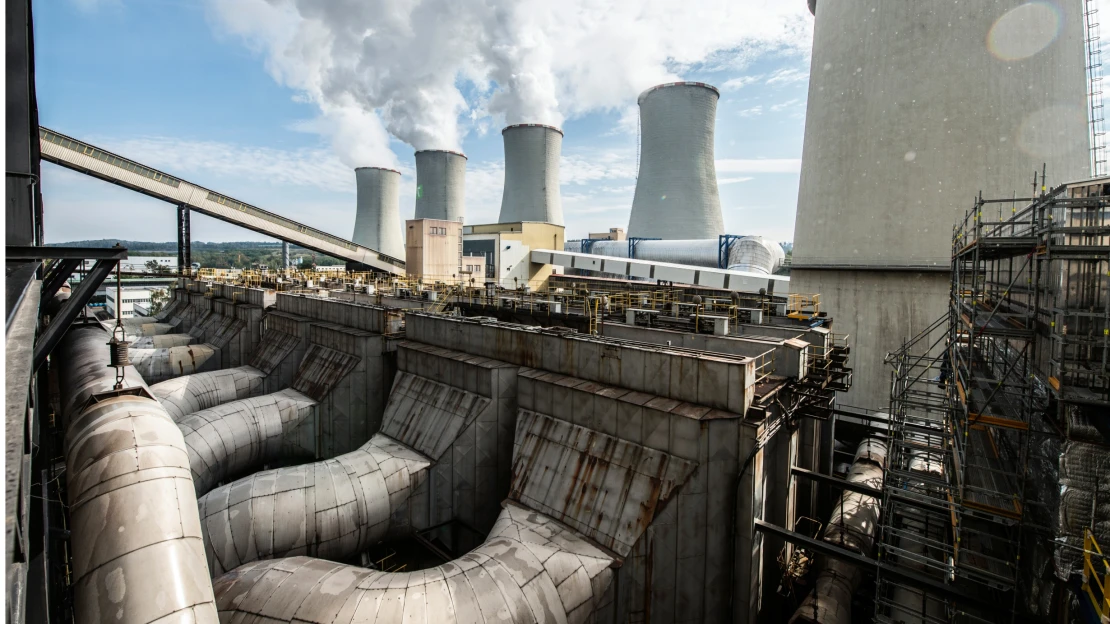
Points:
(440, 185)
(532, 174)
(377, 216)
(902, 133)
(676, 189)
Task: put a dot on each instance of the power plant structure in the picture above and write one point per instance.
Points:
(440, 185)
(884, 179)
(676, 186)
(532, 153)
(911, 427)
(377, 211)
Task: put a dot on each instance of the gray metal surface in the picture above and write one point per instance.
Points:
(330, 509)
(230, 439)
(321, 369)
(428, 416)
(440, 185)
(676, 187)
(156, 365)
(530, 569)
(137, 549)
(532, 153)
(377, 212)
(193, 393)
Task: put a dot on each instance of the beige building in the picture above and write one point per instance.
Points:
(474, 268)
(614, 234)
(507, 249)
(434, 249)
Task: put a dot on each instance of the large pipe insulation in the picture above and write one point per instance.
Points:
(234, 438)
(440, 185)
(332, 509)
(138, 554)
(530, 570)
(192, 393)
(378, 212)
(157, 365)
(532, 153)
(851, 526)
(676, 188)
(910, 605)
(753, 254)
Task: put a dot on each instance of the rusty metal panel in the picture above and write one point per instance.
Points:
(321, 369)
(427, 415)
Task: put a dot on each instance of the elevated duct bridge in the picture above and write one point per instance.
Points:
(98, 163)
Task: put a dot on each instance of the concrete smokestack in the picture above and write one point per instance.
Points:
(440, 185)
(532, 174)
(377, 216)
(891, 159)
(676, 189)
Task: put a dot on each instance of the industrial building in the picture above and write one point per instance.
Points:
(487, 422)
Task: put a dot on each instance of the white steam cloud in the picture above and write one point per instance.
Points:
(427, 71)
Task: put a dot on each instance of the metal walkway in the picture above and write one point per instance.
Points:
(91, 160)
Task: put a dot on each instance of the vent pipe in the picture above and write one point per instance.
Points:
(440, 185)
(377, 216)
(676, 188)
(532, 174)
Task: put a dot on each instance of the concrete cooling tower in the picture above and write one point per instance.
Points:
(892, 158)
(377, 216)
(676, 189)
(440, 185)
(532, 174)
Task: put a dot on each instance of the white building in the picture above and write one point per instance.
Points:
(130, 297)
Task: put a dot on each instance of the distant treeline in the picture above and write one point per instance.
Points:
(234, 255)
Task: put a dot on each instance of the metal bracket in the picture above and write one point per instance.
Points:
(59, 325)
(724, 246)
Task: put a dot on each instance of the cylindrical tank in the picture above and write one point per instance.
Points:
(440, 185)
(913, 111)
(532, 174)
(676, 188)
(377, 215)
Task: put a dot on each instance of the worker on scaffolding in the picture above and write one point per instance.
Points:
(945, 369)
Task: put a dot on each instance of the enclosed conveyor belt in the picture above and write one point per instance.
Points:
(138, 554)
(193, 393)
(233, 438)
(530, 569)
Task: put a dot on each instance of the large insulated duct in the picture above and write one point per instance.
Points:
(233, 438)
(750, 253)
(377, 214)
(440, 185)
(332, 509)
(532, 154)
(676, 188)
(530, 570)
(891, 159)
(851, 526)
(192, 393)
(138, 554)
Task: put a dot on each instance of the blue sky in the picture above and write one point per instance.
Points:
(169, 83)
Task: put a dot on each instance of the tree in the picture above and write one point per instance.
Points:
(157, 268)
(158, 299)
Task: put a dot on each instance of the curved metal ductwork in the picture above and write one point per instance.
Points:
(157, 365)
(332, 509)
(138, 554)
(233, 438)
(530, 569)
(852, 526)
(750, 253)
(192, 393)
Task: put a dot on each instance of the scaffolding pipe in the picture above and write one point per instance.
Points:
(851, 526)
(131, 501)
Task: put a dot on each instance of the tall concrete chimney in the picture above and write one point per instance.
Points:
(440, 185)
(532, 174)
(676, 189)
(377, 215)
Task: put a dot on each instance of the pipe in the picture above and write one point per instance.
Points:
(852, 526)
(332, 509)
(192, 393)
(137, 548)
(233, 438)
(157, 365)
(530, 569)
(750, 253)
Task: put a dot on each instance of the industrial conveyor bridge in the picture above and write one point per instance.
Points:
(91, 160)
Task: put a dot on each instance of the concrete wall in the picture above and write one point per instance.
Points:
(365, 316)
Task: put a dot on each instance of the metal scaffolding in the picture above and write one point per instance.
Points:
(981, 401)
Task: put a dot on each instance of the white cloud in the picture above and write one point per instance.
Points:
(759, 165)
(739, 82)
(734, 180)
(754, 111)
(788, 76)
(781, 106)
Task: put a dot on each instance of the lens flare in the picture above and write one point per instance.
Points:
(1024, 31)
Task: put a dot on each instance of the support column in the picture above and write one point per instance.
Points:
(284, 255)
(184, 240)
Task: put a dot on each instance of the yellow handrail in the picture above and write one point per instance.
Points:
(1101, 603)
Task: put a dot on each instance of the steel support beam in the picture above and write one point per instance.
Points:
(284, 255)
(184, 240)
(837, 482)
(16, 252)
(65, 317)
(56, 278)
